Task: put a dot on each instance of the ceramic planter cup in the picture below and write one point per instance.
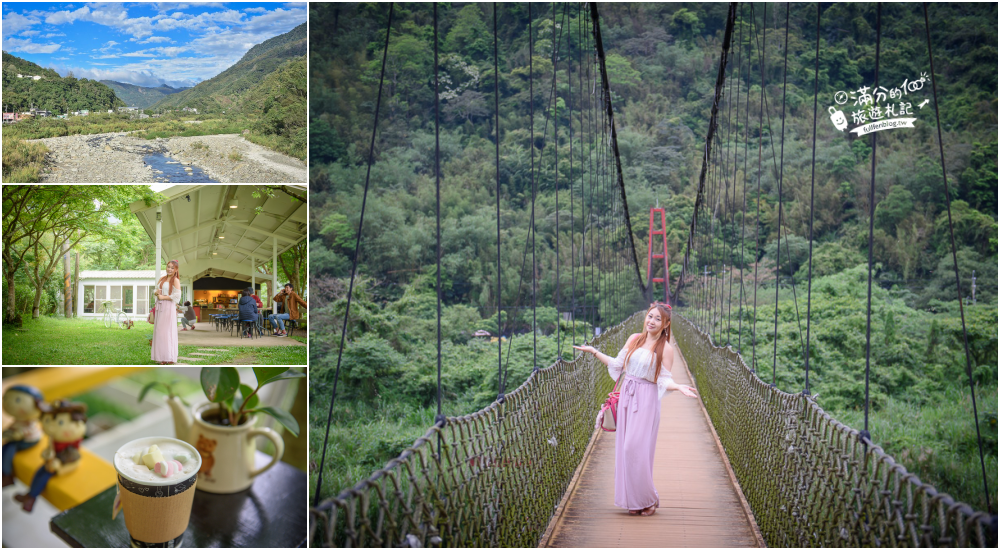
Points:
(157, 509)
(227, 452)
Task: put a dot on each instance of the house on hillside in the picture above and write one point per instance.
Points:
(190, 110)
(9, 118)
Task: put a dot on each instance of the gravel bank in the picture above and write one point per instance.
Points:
(118, 158)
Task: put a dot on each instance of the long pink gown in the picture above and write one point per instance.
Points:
(165, 326)
(638, 423)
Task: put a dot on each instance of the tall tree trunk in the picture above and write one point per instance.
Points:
(37, 302)
(10, 297)
(67, 286)
(76, 283)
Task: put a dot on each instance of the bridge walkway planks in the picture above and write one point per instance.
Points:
(700, 506)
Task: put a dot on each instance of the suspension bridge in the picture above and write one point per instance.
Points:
(746, 465)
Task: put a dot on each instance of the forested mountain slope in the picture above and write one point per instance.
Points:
(51, 92)
(140, 96)
(224, 90)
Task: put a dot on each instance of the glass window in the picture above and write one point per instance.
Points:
(116, 297)
(88, 298)
(127, 304)
(101, 296)
(142, 299)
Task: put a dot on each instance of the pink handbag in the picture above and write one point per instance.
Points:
(151, 318)
(607, 417)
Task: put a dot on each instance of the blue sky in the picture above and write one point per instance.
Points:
(143, 43)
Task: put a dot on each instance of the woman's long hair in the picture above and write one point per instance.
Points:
(664, 310)
(175, 282)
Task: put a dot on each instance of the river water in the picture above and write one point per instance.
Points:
(167, 169)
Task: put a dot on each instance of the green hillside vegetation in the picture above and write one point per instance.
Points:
(140, 96)
(52, 92)
(222, 91)
(280, 100)
(662, 61)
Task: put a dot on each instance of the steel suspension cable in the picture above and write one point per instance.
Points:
(777, 271)
(954, 258)
(720, 80)
(440, 419)
(743, 215)
(572, 226)
(354, 264)
(812, 195)
(865, 435)
(555, 127)
(760, 144)
(501, 378)
(736, 163)
(534, 192)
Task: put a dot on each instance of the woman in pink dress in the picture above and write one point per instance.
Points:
(646, 360)
(168, 295)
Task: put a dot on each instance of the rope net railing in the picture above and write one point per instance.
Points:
(810, 480)
(500, 473)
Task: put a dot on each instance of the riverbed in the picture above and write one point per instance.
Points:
(123, 158)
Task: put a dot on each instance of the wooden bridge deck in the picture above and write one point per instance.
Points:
(700, 505)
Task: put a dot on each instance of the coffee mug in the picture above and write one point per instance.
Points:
(227, 452)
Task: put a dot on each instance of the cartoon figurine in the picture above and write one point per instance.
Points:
(24, 403)
(65, 423)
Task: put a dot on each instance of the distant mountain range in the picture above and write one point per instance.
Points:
(51, 92)
(225, 89)
(140, 96)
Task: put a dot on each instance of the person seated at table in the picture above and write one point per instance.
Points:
(291, 301)
(248, 309)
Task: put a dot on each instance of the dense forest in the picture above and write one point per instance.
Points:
(662, 61)
(51, 92)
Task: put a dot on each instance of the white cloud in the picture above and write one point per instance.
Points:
(109, 15)
(27, 46)
(15, 22)
(155, 39)
(255, 10)
(107, 46)
(53, 34)
(29, 33)
(130, 74)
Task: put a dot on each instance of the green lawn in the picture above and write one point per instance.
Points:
(58, 341)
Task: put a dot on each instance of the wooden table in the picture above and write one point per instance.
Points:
(270, 514)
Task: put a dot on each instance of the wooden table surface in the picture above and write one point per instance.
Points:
(270, 514)
(699, 505)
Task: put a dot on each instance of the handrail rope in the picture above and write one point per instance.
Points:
(812, 194)
(591, 122)
(605, 84)
(865, 435)
(954, 258)
(777, 270)
(720, 80)
(760, 144)
(583, 195)
(354, 265)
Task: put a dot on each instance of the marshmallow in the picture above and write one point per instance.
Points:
(182, 458)
(152, 457)
(168, 468)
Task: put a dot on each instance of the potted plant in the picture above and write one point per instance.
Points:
(223, 429)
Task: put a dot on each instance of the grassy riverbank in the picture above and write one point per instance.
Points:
(22, 162)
